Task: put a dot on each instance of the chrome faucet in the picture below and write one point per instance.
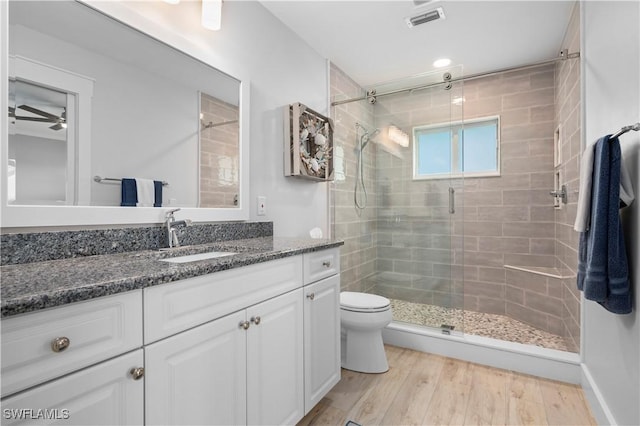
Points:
(171, 223)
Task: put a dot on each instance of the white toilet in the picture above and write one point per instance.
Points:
(362, 318)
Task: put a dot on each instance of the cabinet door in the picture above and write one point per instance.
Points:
(198, 376)
(321, 339)
(105, 394)
(275, 383)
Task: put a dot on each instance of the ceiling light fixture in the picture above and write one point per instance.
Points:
(211, 17)
(442, 62)
(212, 14)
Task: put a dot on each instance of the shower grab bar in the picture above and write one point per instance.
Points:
(452, 200)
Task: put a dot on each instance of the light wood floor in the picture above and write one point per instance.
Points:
(426, 389)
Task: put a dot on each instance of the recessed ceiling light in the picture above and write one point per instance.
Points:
(443, 62)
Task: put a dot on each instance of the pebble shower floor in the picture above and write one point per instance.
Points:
(480, 324)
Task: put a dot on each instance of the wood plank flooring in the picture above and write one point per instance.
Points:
(426, 389)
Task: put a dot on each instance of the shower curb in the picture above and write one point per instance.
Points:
(537, 361)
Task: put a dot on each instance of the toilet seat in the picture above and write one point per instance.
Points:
(363, 302)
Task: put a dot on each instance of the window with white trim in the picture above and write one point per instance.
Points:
(469, 149)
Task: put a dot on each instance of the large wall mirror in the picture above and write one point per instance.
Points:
(105, 123)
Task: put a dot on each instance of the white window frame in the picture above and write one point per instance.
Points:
(491, 173)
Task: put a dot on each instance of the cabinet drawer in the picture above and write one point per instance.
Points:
(321, 264)
(105, 394)
(96, 330)
(173, 307)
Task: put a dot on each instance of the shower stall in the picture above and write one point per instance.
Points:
(442, 196)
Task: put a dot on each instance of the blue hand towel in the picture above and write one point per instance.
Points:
(603, 271)
(129, 193)
(157, 186)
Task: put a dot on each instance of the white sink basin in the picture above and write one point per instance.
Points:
(199, 256)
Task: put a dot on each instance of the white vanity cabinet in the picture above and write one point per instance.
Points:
(98, 342)
(258, 344)
(242, 368)
(321, 324)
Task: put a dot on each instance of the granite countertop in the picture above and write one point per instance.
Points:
(32, 286)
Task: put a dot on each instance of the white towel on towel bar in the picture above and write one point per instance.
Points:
(146, 192)
(583, 214)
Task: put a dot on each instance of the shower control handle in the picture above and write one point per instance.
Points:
(561, 194)
(452, 200)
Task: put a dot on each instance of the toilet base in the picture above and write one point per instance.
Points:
(363, 351)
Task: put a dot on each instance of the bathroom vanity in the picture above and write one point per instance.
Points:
(248, 338)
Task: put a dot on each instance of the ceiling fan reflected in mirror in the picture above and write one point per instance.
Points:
(60, 121)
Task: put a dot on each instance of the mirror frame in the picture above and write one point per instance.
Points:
(39, 216)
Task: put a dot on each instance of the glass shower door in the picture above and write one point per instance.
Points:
(420, 209)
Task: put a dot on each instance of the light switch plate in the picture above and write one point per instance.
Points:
(262, 206)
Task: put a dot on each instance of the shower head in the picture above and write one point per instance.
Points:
(366, 137)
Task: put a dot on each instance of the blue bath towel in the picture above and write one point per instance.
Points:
(157, 186)
(129, 191)
(603, 271)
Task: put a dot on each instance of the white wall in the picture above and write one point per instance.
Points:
(611, 61)
(283, 69)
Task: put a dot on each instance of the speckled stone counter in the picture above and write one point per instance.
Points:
(29, 287)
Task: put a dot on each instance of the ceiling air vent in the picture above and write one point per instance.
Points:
(423, 18)
(418, 3)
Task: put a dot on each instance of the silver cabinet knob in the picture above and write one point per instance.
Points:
(59, 344)
(137, 373)
(326, 264)
(256, 320)
(245, 324)
(311, 296)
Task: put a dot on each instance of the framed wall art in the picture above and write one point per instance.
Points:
(308, 143)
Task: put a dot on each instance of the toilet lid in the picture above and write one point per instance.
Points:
(362, 301)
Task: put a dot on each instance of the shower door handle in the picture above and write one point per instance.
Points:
(452, 200)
